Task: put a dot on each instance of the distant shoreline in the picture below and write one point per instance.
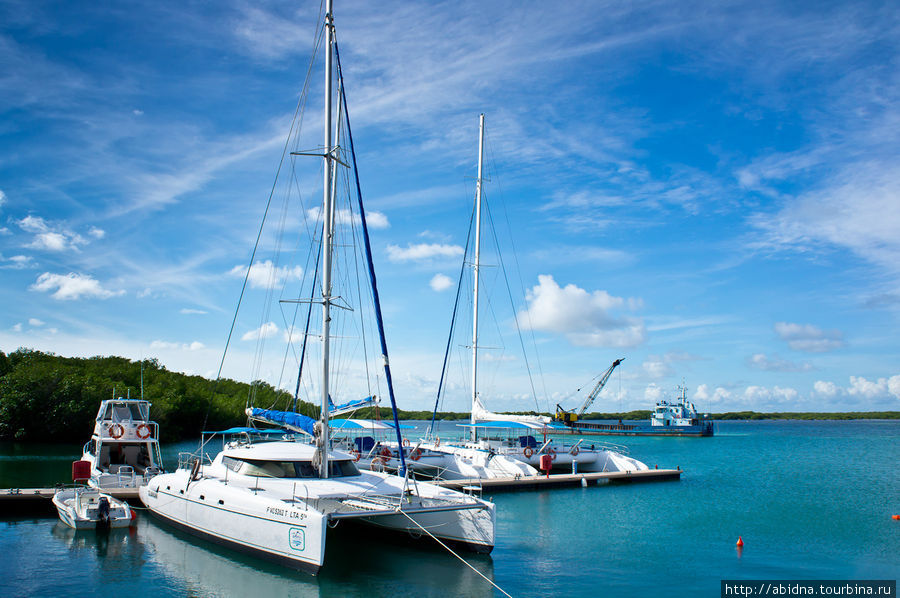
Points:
(645, 415)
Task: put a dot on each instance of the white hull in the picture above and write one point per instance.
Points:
(285, 519)
(79, 509)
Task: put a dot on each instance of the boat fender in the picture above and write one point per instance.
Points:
(416, 454)
(528, 451)
(575, 450)
(143, 431)
(195, 469)
(103, 512)
(116, 430)
(406, 442)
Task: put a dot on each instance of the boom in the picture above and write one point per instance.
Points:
(569, 417)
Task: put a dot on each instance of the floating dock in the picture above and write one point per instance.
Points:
(37, 501)
(555, 480)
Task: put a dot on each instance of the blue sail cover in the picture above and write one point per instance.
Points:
(351, 405)
(285, 418)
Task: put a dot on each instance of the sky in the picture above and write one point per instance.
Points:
(708, 190)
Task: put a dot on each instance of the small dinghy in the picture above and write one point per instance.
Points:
(84, 507)
(88, 508)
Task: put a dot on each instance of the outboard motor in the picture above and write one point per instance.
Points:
(103, 513)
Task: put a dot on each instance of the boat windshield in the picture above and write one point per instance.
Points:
(288, 469)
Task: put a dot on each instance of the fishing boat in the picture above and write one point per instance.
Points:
(499, 438)
(123, 451)
(277, 499)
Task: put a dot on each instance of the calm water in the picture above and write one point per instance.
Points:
(811, 500)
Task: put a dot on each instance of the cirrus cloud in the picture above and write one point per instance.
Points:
(809, 338)
(265, 274)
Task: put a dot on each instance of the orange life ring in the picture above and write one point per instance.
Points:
(386, 453)
(437, 441)
(528, 451)
(116, 430)
(406, 442)
(356, 455)
(416, 454)
(143, 431)
(575, 450)
(552, 452)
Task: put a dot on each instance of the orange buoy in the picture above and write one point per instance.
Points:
(897, 517)
(740, 541)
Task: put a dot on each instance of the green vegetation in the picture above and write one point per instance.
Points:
(48, 398)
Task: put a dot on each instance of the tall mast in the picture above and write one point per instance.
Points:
(475, 268)
(327, 239)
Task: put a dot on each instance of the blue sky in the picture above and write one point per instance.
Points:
(709, 190)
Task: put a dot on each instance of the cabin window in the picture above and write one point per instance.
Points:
(288, 469)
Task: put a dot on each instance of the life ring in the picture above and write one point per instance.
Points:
(356, 455)
(575, 450)
(116, 430)
(437, 441)
(386, 453)
(552, 452)
(528, 451)
(416, 454)
(143, 431)
(406, 442)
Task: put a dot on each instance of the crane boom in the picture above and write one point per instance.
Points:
(569, 417)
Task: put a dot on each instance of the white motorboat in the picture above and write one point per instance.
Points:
(277, 499)
(123, 451)
(502, 438)
(84, 507)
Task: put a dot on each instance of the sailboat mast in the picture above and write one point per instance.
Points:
(475, 268)
(327, 239)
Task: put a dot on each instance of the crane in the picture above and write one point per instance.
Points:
(570, 417)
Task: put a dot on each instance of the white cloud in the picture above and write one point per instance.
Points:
(343, 218)
(776, 364)
(265, 274)
(97, 233)
(18, 262)
(582, 317)
(809, 338)
(440, 282)
(35, 322)
(50, 237)
(829, 390)
(653, 393)
(17, 327)
(870, 389)
(656, 368)
(2, 198)
(72, 286)
(714, 397)
(423, 251)
(194, 346)
(267, 330)
(189, 311)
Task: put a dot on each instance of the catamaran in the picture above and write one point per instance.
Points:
(498, 437)
(277, 499)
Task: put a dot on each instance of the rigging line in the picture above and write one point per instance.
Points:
(306, 333)
(459, 283)
(465, 562)
(515, 253)
(297, 112)
(359, 294)
(375, 300)
(512, 304)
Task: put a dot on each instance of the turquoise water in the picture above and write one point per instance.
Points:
(810, 499)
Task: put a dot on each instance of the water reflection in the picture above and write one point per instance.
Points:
(356, 564)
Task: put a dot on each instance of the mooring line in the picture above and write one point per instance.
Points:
(450, 550)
